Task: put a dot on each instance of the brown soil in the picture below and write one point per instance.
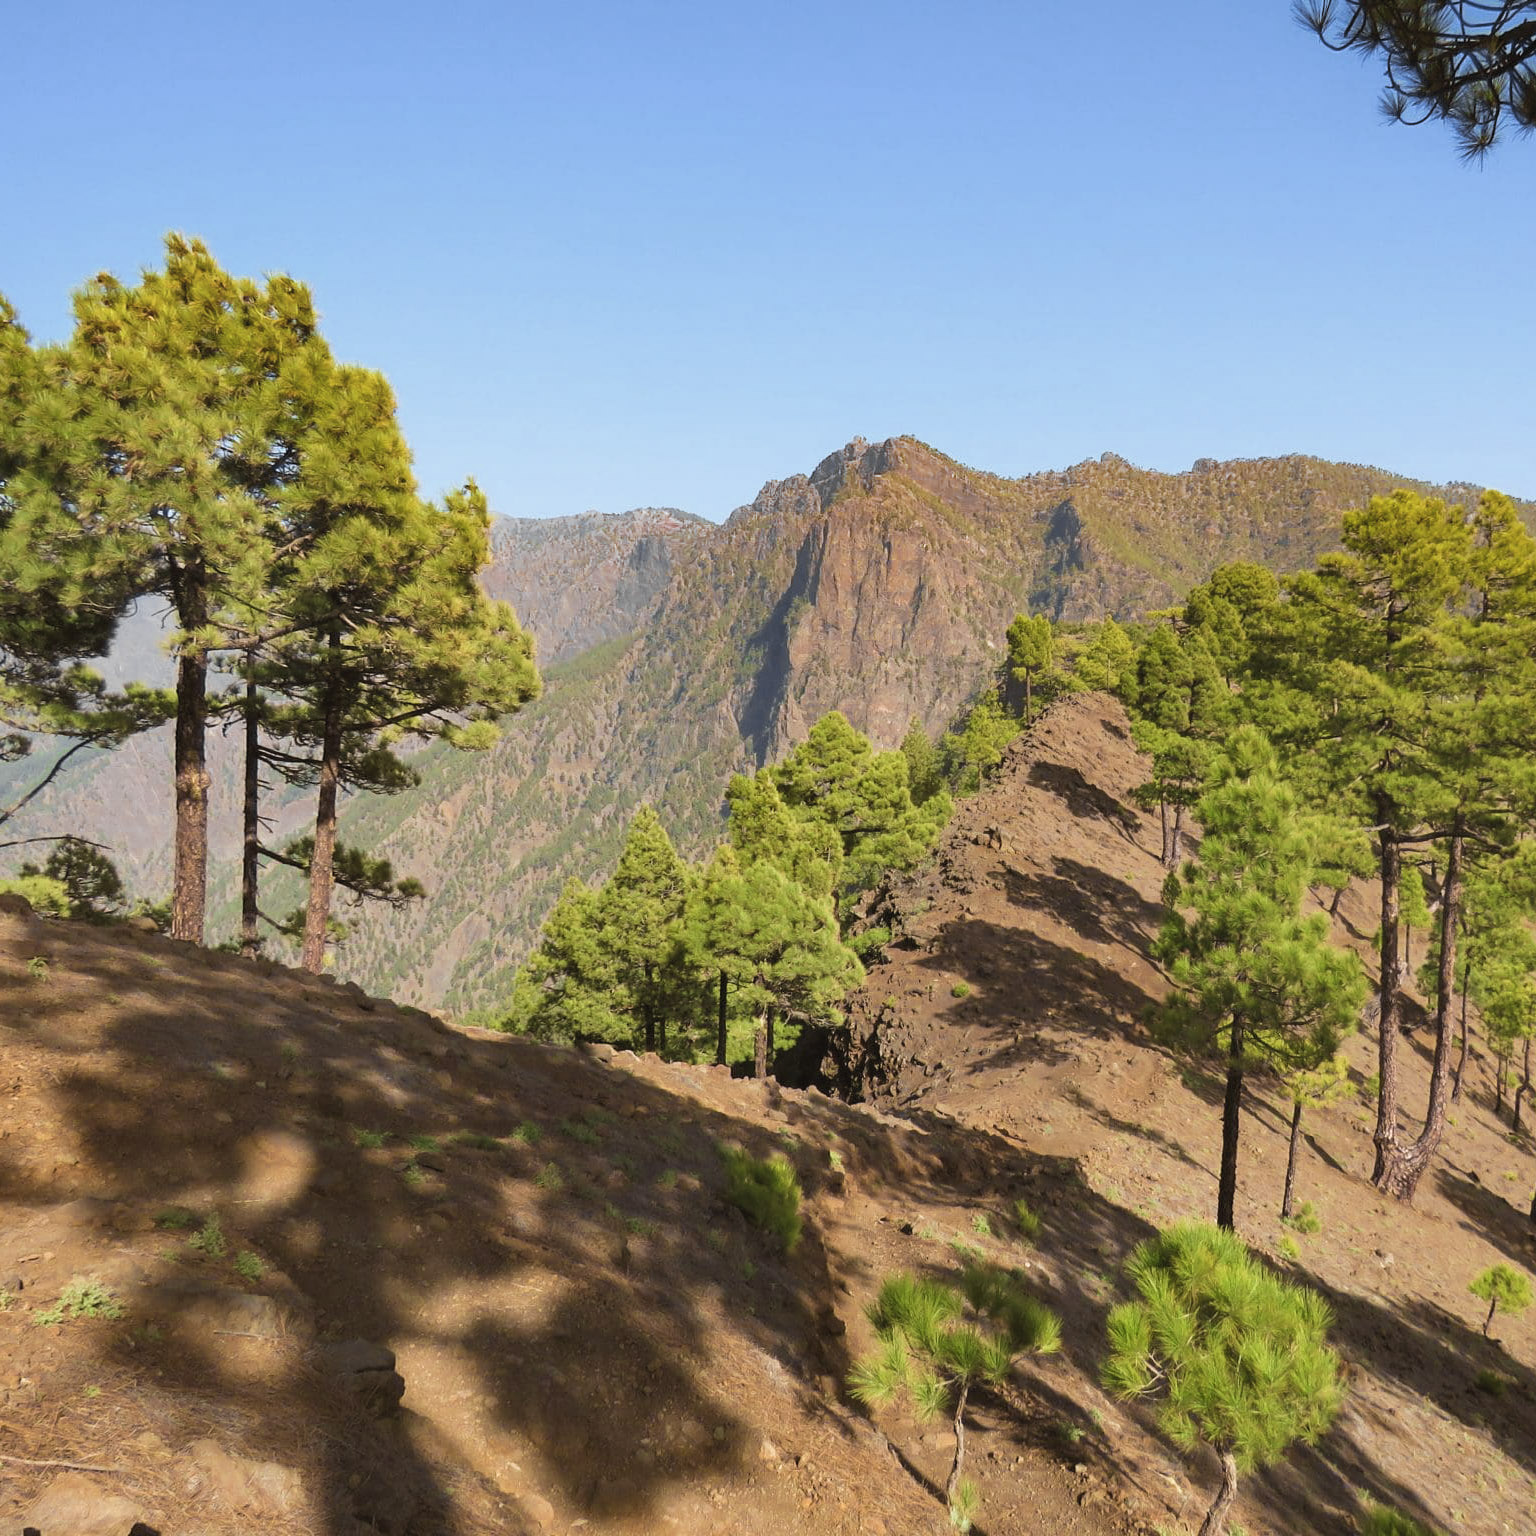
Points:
(590, 1337)
(1039, 910)
(616, 1349)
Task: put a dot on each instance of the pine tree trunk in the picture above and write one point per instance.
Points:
(1391, 977)
(661, 1036)
(1162, 810)
(1402, 1167)
(1290, 1164)
(771, 1047)
(1176, 848)
(189, 889)
(720, 1039)
(1461, 1060)
(958, 1465)
(1525, 1085)
(646, 1013)
(1215, 1522)
(317, 914)
(1338, 896)
(1029, 696)
(1231, 1128)
(250, 861)
(760, 1048)
(1501, 1071)
(1493, 1306)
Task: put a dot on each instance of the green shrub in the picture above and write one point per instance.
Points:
(528, 1133)
(1494, 1383)
(424, 1143)
(208, 1240)
(960, 989)
(248, 1266)
(84, 1296)
(1304, 1218)
(1378, 1520)
(1289, 1249)
(767, 1190)
(368, 1140)
(1028, 1220)
(176, 1218)
(549, 1177)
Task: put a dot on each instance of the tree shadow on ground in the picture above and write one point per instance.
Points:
(1084, 799)
(1489, 1215)
(1095, 905)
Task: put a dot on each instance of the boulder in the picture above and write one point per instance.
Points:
(241, 1483)
(76, 1505)
(365, 1369)
(14, 904)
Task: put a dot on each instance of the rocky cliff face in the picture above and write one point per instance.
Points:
(578, 581)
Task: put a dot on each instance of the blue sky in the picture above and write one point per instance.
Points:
(642, 253)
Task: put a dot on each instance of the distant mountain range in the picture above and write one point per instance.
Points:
(677, 651)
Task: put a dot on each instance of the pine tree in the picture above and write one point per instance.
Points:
(569, 988)
(939, 1342)
(836, 776)
(1031, 648)
(1236, 1357)
(971, 754)
(1412, 908)
(1351, 675)
(1254, 982)
(1502, 1285)
(924, 774)
(1108, 661)
(392, 633)
(640, 924)
(182, 444)
(1223, 612)
(1308, 1088)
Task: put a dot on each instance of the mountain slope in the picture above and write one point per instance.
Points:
(1011, 1001)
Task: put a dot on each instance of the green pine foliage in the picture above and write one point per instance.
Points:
(1379, 1520)
(938, 1341)
(1504, 1288)
(1255, 983)
(1233, 1356)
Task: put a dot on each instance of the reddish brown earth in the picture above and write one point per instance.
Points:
(616, 1349)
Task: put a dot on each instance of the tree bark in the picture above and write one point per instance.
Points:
(772, 1048)
(1176, 845)
(1215, 1522)
(1162, 807)
(1493, 1306)
(646, 1015)
(1500, 1072)
(189, 888)
(720, 1038)
(1390, 980)
(1338, 896)
(958, 1465)
(250, 860)
(1525, 1085)
(1231, 1129)
(1461, 1060)
(760, 1048)
(1029, 696)
(1401, 1167)
(321, 865)
(1290, 1164)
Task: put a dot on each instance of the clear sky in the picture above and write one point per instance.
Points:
(639, 253)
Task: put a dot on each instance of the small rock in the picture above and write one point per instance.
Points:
(538, 1509)
(246, 1484)
(143, 924)
(767, 1451)
(366, 1369)
(75, 1505)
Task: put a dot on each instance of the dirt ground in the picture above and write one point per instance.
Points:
(591, 1339)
